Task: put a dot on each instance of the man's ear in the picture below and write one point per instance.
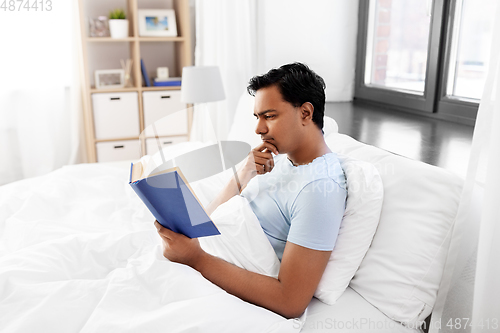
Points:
(307, 110)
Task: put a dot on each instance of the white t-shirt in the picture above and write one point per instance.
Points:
(301, 204)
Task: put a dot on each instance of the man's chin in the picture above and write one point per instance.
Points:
(271, 141)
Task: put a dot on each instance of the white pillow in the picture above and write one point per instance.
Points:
(330, 126)
(401, 271)
(242, 241)
(365, 194)
(243, 128)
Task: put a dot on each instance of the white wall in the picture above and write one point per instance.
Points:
(319, 33)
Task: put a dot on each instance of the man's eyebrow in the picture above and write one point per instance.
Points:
(263, 112)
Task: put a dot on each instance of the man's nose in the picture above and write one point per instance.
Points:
(261, 127)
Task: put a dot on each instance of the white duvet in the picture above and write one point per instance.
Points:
(79, 253)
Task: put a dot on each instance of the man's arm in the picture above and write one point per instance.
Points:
(288, 295)
(230, 190)
(259, 161)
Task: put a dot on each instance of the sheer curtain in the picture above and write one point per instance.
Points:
(249, 37)
(470, 289)
(40, 95)
(225, 37)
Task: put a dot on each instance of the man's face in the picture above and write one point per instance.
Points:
(278, 122)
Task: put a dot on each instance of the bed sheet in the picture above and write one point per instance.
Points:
(353, 314)
(79, 253)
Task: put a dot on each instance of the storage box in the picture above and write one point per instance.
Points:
(116, 115)
(152, 145)
(165, 110)
(112, 151)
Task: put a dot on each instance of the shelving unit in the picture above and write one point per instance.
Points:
(93, 59)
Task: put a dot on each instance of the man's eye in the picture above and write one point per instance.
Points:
(270, 117)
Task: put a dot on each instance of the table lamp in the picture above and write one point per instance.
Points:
(201, 84)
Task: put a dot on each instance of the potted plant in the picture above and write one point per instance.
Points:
(118, 25)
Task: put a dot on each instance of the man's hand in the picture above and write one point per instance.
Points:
(179, 248)
(259, 161)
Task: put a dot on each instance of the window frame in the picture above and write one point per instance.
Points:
(453, 106)
(434, 102)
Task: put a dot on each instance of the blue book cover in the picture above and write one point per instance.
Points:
(145, 74)
(167, 83)
(171, 201)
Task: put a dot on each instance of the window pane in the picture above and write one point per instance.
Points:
(470, 50)
(397, 44)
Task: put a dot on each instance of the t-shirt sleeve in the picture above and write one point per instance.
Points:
(316, 214)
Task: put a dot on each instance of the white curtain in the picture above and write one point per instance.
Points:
(225, 37)
(470, 289)
(40, 92)
(320, 33)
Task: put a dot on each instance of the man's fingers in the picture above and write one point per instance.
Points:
(267, 163)
(267, 145)
(261, 169)
(262, 157)
(165, 232)
(266, 154)
(262, 160)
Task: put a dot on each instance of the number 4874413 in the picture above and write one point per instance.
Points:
(26, 5)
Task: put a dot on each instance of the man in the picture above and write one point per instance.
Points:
(299, 200)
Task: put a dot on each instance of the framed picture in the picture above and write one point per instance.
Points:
(157, 22)
(109, 78)
(99, 27)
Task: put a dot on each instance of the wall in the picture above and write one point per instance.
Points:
(320, 33)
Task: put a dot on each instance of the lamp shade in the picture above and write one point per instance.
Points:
(201, 84)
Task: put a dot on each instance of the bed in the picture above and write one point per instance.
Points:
(79, 253)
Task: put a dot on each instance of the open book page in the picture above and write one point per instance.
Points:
(143, 168)
(151, 163)
(146, 167)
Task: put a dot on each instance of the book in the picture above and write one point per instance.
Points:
(145, 74)
(172, 202)
(167, 83)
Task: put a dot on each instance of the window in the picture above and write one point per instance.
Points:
(425, 56)
(396, 53)
(470, 48)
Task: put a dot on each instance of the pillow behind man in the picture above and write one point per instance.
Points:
(401, 273)
(365, 195)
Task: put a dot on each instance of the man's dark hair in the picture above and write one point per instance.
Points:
(298, 84)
